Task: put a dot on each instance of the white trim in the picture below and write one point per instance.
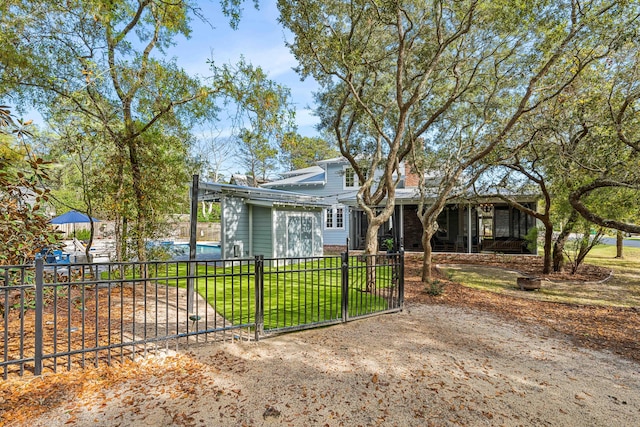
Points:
(334, 217)
(223, 227)
(356, 184)
(274, 234)
(250, 231)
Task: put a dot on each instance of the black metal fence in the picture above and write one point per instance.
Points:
(64, 316)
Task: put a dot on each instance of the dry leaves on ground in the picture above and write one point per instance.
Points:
(598, 327)
(22, 399)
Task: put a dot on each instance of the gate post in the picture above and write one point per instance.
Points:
(192, 267)
(345, 286)
(259, 294)
(37, 357)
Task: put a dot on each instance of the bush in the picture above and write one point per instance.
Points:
(532, 239)
(83, 235)
(434, 288)
(24, 226)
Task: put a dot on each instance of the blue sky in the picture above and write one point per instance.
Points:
(260, 39)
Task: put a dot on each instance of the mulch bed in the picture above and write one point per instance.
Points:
(525, 264)
(614, 329)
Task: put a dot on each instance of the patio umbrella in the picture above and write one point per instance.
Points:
(72, 217)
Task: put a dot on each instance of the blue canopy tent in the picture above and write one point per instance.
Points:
(72, 217)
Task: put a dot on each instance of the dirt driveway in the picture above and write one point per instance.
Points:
(430, 365)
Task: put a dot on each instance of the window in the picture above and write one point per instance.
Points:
(350, 178)
(501, 221)
(339, 218)
(334, 217)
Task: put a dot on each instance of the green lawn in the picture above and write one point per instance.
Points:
(604, 255)
(622, 290)
(294, 294)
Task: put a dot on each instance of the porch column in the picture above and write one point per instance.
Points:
(250, 230)
(401, 225)
(469, 228)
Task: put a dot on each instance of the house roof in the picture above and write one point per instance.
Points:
(314, 175)
(339, 159)
(303, 171)
(244, 180)
(258, 196)
(411, 196)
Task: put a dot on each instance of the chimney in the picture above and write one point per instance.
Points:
(411, 179)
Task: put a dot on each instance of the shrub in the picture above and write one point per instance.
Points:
(434, 288)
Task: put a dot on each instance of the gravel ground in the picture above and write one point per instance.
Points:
(429, 365)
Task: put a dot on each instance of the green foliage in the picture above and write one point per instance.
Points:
(434, 288)
(299, 152)
(83, 234)
(532, 239)
(576, 249)
(209, 212)
(122, 111)
(388, 244)
(160, 252)
(24, 226)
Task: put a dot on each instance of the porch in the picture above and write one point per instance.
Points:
(464, 227)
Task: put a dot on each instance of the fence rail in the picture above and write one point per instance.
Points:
(64, 316)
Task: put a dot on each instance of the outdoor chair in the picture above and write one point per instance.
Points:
(54, 256)
(60, 257)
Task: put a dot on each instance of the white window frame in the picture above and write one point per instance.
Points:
(355, 185)
(332, 213)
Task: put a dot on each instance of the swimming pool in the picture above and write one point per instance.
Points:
(204, 252)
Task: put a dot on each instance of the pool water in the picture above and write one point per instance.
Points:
(204, 252)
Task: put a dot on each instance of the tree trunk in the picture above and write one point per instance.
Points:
(586, 244)
(558, 246)
(548, 238)
(125, 238)
(558, 256)
(141, 205)
(619, 244)
(427, 256)
(120, 229)
(92, 230)
(371, 250)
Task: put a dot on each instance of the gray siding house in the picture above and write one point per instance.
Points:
(474, 224)
(330, 180)
(272, 223)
